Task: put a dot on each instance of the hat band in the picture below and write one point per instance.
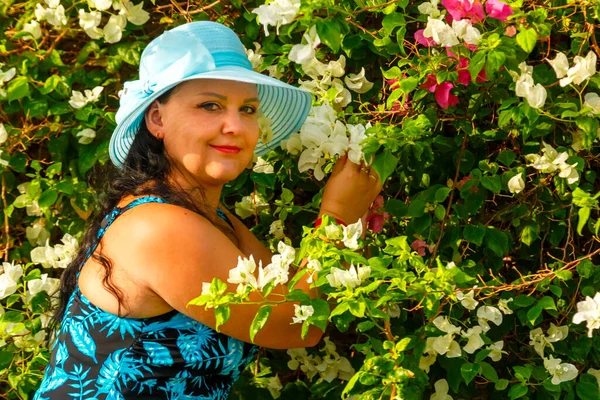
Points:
(231, 59)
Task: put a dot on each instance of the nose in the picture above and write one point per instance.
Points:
(232, 123)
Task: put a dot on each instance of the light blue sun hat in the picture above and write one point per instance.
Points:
(203, 50)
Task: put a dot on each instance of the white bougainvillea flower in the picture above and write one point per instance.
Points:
(277, 13)
(78, 99)
(425, 362)
(243, 273)
(592, 100)
(312, 267)
(86, 136)
(467, 300)
(255, 56)
(305, 53)
(250, 204)
(551, 161)
(351, 234)
(65, 251)
(113, 30)
(334, 232)
(274, 386)
(442, 33)
(301, 313)
(275, 71)
(583, 69)
(595, 373)
(357, 135)
(34, 30)
(43, 284)
(496, 350)
(56, 16)
(487, 314)
(135, 13)
(430, 8)
(11, 273)
(441, 391)
(287, 253)
(293, 144)
(37, 234)
(465, 30)
(262, 166)
(535, 94)
(560, 372)
(89, 20)
(3, 133)
(6, 76)
(101, 5)
(350, 278)
(276, 229)
(589, 311)
(503, 306)
(443, 324)
(560, 64)
(358, 82)
(446, 345)
(516, 184)
(473, 335)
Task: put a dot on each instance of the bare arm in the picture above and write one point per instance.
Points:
(249, 244)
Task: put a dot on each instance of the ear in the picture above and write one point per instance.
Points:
(153, 118)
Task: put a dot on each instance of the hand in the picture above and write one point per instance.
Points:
(350, 190)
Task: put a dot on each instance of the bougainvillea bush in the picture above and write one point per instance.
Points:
(476, 274)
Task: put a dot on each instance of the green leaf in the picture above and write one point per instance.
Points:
(533, 314)
(564, 275)
(321, 313)
(496, 241)
(476, 65)
(584, 215)
(526, 39)
(489, 372)
(517, 391)
(501, 384)
(587, 390)
(474, 234)
(385, 164)
(330, 34)
(523, 301)
(261, 318)
(441, 194)
(495, 60)
(392, 21)
(547, 303)
(357, 307)
(222, 314)
(48, 198)
(522, 373)
(396, 207)
(506, 157)
(17, 88)
(468, 371)
(529, 233)
(493, 183)
(586, 269)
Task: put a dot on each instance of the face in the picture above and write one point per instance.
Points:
(209, 129)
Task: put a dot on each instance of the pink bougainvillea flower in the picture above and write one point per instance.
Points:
(443, 96)
(422, 40)
(460, 9)
(420, 246)
(430, 84)
(376, 218)
(464, 75)
(498, 10)
(510, 31)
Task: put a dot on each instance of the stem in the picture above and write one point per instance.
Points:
(6, 226)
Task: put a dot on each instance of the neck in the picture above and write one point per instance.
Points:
(205, 197)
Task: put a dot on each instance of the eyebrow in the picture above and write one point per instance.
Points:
(221, 97)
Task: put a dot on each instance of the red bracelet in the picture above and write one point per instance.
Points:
(320, 220)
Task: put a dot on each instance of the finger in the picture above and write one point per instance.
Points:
(339, 165)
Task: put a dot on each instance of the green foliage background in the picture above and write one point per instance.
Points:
(448, 186)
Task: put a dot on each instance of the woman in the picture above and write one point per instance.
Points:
(185, 128)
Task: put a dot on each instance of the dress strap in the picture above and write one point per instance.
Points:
(110, 218)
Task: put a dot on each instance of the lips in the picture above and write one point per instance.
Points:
(227, 149)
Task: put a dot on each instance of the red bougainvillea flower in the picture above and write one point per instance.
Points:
(420, 246)
(377, 216)
(460, 9)
(422, 40)
(464, 76)
(443, 96)
(498, 10)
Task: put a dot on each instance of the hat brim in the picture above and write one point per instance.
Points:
(286, 106)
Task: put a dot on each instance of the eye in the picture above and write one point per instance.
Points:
(250, 110)
(210, 106)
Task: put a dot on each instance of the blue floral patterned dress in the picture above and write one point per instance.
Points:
(98, 355)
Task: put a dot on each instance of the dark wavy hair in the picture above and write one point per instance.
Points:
(144, 172)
